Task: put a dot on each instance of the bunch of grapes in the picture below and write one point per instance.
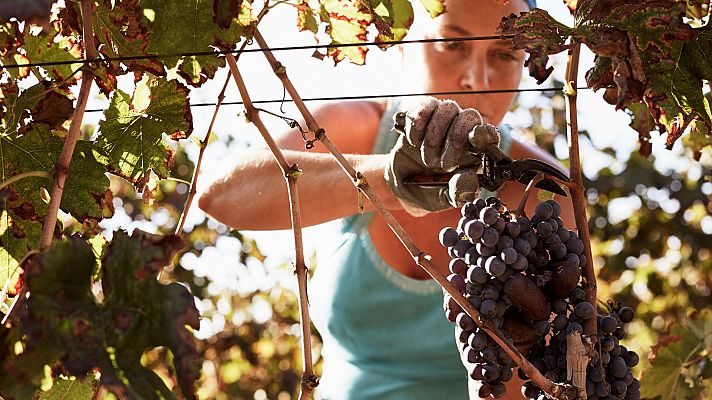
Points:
(526, 272)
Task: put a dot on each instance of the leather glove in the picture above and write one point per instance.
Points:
(436, 138)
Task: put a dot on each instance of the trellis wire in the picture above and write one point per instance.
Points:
(255, 50)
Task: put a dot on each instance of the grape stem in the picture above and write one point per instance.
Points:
(15, 178)
(527, 192)
(291, 174)
(554, 390)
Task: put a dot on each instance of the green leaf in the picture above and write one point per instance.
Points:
(74, 389)
(399, 15)
(11, 38)
(346, 23)
(670, 376)
(17, 237)
(540, 35)
(188, 26)
(86, 191)
(224, 11)
(434, 7)
(63, 323)
(119, 32)
(131, 131)
(48, 46)
(306, 17)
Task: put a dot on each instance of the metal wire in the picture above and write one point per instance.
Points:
(379, 96)
(254, 50)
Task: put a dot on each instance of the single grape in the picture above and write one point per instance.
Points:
(619, 333)
(477, 340)
(541, 328)
(605, 358)
(460, 248)
(552, 242)
(488, 308)
(626, 314)
(544, 229)
(465, 322)
(633, 358)
(582, 260)
(472, 355)
(575, 245)
(448, 237)
(457, 266)
(574, 327)
(584, 310)
(590, 387)
(560, 252)
(520, 264)
(504, 242)
(634, 386)
(470, 210)
(461, 223)
(615, 351)
(530, 391)
(607, 344)
(572, 258)
(558, 306)
(543, 211)
(522, 246)
(595, 374)
(457, 281)
(490, 293)
(473, 288)
(628, 378)
(513, 229)
(490, 237)
(477, 275)
(563, 234)
(555, 208)
(485, 251)
(577, 295)
(560, 322)
(489, 215)
(531, 238)
(498, 390)
(484, 391)
(490, 371)
(617, 367)
(603, 389)
(505, 374)
(473, 229)
(499, 225)
(489, 354)
(495, 266)
(509, 255)
(476, 301)
(608, 324)
(451, 315)
(472, 255)
(618, 387)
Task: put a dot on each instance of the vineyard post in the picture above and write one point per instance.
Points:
(291, 174)
(554, 390)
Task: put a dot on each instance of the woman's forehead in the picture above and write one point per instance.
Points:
(476, 17)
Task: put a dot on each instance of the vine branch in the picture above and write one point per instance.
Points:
(61, 168)
(15, 178)
(423, 260)
(291, 174)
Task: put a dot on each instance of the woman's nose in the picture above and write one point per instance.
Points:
(475, 77)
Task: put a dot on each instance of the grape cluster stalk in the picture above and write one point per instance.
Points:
(524, 277)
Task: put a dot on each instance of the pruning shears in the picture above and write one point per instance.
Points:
(498, 168)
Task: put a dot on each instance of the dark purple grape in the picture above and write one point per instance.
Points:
(577, 295)
(457, 266)
(488, 308)
(520, 264)
(608, 324)
(473, 229)
(471, 355)
(477, 340)
(584, 310)
(491, 372)
(560, 322)
(563, 234)
(499, 225)
(448, 237)
(634, 386)
(574, 245)
(595, 375)
(530, 391)
(505, 374)
(574, 327)
(457, 281)
(615, 351)
(513, 229)
(544, 229)
(465, 322)
(618, 387)
(522, 246)
(582, 260)
(633, 358)
(504, 242)
(590, 387)
(451, 252)
(605, 358)
(560, 252)
(626, 314)
(555, 208)
(461, 223)
(489, 354)
(484, 391)
(524, 224)
(476, 301)
(543, 211)
(531, 238)
(489, 215)
(477, 275)
(607, 344)
(619, 333)
(472, 255)
(460, 248)
(485, 251)
(558, 306)
(490, 293)
(541, 328)
(451, 315)
(490, 237)
(495, 266)
(470, 210)
(572, 259)
(617, 367)
(498, 390)
(509, 255)
(603, 389)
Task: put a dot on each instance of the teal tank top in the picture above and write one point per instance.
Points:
(385, 335)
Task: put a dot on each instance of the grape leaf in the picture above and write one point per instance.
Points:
(48, 46)
(306, 17)
(74, 389)
(86, 191)
(187, 26)
(224, 11)
(119, 33)
(399, 16)
(17, 237)
(669, 375)
(434, 7)
(346, 23)
(131, 132)
(63, 323)
(11, 39)
(540, 35)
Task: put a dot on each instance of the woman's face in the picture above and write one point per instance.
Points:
(468, 65)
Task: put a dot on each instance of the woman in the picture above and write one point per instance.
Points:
(380, 316)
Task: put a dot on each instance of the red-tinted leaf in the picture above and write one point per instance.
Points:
(306, 17)
(346, 23)
(224, 11)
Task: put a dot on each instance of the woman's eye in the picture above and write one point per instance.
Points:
(454, 46)
(506, 56)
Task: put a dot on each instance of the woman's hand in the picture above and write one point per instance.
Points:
(436, 138)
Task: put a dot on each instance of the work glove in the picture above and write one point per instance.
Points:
(437, 137)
